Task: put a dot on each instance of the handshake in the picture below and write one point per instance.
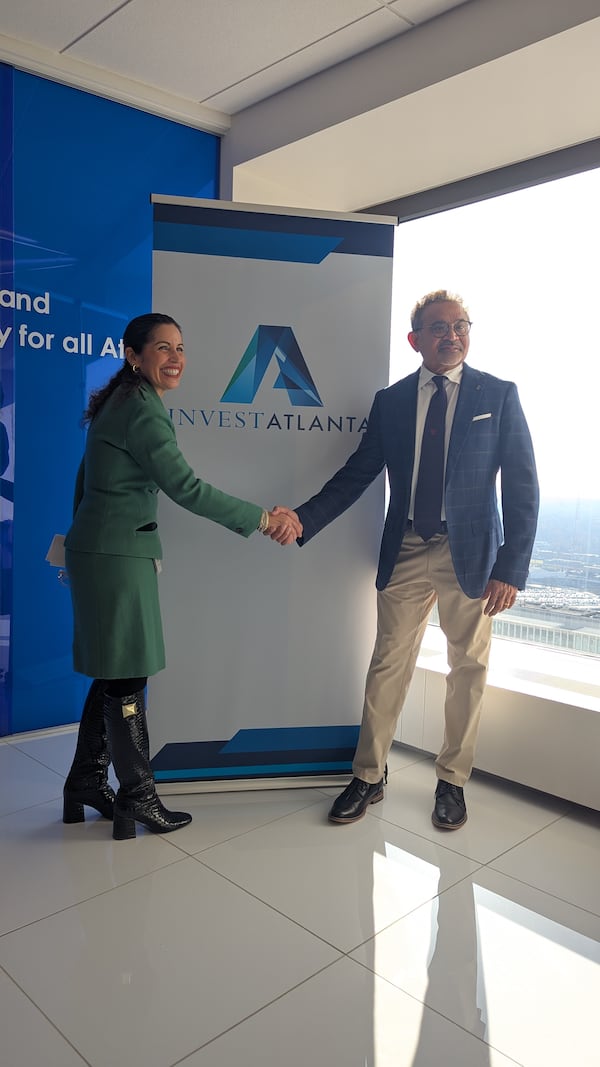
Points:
(284, 526)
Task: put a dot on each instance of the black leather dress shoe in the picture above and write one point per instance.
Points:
(450, 810)
(354, 801)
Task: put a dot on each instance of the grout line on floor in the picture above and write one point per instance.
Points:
(242, 833)
(547, 893)
(252, 1014)
(428, 1007)
(45, 1016)
(528, 837)
(266, 904)
(94, 896)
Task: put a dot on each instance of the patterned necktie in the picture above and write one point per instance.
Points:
(430, 482)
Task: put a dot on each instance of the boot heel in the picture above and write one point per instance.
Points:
(72, 811)
(137, 801)
(87, 782)
(123, 828)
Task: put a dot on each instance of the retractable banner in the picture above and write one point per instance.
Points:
(286, 323)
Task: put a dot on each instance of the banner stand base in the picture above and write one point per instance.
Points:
(240, 785)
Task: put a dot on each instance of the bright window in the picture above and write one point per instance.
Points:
(526, 266)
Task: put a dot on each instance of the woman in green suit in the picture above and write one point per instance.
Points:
(112, 557)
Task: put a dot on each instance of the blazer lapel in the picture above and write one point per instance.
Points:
(469, 397)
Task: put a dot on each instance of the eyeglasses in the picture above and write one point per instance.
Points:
(441, 329)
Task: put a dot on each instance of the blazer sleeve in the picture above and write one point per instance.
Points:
(520, 494)
(78, 491)
(349, 482)
(152, 443)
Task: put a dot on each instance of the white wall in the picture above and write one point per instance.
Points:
(543, 732)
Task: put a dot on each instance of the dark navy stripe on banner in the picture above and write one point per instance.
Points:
(350, 237)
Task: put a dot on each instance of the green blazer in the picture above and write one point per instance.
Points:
(131, 453)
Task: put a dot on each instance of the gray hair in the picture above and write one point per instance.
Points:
(436, 297)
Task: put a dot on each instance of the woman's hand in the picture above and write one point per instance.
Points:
(284, 526)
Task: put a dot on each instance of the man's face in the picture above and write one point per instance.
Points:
(440, 354)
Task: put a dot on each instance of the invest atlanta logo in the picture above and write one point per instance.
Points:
(268, 343)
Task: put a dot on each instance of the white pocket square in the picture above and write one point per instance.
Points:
(487, 415)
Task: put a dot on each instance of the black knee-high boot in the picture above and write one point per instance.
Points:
(136, 799)
(87, 781)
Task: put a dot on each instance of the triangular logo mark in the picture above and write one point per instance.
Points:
(267, 343)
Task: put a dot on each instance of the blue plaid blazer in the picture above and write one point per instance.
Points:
(489, 435)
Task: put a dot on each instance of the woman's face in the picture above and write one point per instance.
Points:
(162, 359)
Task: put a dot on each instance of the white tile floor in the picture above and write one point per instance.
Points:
(263, 935)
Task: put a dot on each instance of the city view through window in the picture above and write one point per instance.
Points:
(525, 266)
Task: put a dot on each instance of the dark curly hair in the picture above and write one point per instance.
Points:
(136, 334)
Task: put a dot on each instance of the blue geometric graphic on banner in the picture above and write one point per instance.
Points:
(244, 244)
(294, 375)
(218, 230)
(295, 752)
(290, 738)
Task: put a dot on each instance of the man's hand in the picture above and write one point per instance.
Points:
(499, 596)
(284, 526)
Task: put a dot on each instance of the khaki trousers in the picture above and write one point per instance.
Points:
(423, 574)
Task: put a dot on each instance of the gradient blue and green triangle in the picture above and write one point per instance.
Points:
(294, 376)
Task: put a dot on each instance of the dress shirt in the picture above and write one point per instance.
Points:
(425, 391)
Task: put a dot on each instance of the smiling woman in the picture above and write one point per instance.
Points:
(113, 551)
(161, 360)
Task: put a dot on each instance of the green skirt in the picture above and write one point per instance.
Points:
(117, 628)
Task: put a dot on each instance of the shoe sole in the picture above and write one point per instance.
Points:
(355, 818)
(448, 825)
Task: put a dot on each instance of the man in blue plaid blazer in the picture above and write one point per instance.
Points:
(472, 563)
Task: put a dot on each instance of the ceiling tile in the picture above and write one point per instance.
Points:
(52, 23)
(197, 50)
(228, 54)
(417, 11)
(370, 31)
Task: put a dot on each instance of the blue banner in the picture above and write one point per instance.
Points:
(76, 229)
